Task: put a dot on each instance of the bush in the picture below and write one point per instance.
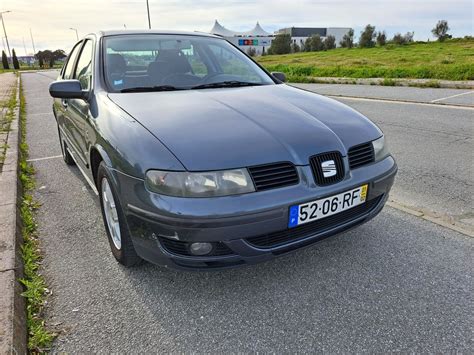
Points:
(5, 61)
(315, 43)
(16, 64)
(281, 44)
(367, 37)
(251, 51)
(330, 42)
(295, 48)
(347, 40)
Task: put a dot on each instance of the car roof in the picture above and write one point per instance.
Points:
(158, 32)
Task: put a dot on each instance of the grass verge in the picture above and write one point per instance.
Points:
(450, 60)
(39, 338)
(5, 122)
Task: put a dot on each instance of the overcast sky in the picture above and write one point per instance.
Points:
(50, 20)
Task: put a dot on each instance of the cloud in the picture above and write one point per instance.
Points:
(50, 20)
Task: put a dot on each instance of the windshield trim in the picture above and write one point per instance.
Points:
(103, 52)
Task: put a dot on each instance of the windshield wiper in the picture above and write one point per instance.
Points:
(152, 88)
(225, 84)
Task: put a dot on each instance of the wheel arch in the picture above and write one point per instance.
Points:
(98, 154)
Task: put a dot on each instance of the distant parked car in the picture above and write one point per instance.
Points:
(202, 159)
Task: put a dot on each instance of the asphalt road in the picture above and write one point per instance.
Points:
(397, 283)
(425, 95)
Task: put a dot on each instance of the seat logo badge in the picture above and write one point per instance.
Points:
(329, 168)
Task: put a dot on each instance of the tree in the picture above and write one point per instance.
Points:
(330, 42)
(441, 30)
(49, 57)
(295, 48)
(381, 38)
(400, 39)
(281, 44)
(347, 40)
(409, 37)
(16, 64)
(316, 43)
(307, 44)
(5, 61)
(367, 37)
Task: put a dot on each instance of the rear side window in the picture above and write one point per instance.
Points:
(84, 66)
(68, 71)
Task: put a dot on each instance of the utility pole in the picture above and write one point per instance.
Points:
(32, 42)
(148, 11)
(5, 31)
(75, 29)
(24, 46)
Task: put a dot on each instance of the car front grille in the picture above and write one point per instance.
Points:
(361, 154)
(181, 248)
(283, 237)
(317, 168)
(272, 176)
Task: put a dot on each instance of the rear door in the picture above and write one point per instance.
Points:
(78, 109)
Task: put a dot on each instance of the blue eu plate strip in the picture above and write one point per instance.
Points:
(293, 221)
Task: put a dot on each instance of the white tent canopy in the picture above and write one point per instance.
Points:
(257, 31)
(220, 30)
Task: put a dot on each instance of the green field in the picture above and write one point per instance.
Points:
(451, 60)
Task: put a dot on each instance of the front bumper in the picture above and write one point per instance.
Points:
(250, 228)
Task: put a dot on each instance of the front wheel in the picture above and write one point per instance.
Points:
(114, 220)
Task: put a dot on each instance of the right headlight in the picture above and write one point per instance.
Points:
(380, 148)
(199, 184)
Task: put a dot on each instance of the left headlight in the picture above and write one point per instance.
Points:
(200, 184)
(380, 148)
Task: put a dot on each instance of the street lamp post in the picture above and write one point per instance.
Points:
(148, 11)
(75, 29)
(5, 31)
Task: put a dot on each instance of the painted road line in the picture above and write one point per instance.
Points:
(450, 97)
(45, 158)
(403, 102)
(466, 230)
(40, 113)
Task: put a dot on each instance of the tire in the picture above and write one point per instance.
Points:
(114, 222)
(66, 155)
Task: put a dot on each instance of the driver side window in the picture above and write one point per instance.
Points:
(68, 70)
(83, 71)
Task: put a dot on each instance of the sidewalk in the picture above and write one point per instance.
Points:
(12, 306)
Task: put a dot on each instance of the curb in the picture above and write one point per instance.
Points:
(13, 336)
(445, 84)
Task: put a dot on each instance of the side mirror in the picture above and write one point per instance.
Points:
(67, 89)
(279, 76)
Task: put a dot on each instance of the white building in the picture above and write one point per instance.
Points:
(260, 40)
(300, 34)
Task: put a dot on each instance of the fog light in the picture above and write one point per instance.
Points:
(200, 248)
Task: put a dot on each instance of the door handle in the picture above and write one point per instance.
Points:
(64, 102)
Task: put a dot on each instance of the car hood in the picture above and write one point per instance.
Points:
(238, 127)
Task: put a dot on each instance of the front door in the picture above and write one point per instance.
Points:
(77, 109)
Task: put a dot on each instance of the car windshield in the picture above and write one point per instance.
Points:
(152, 62)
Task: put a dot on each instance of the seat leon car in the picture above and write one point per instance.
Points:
(203, 159)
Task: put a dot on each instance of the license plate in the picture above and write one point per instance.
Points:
(325, 207)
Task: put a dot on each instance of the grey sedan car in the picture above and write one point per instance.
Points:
(202, 159)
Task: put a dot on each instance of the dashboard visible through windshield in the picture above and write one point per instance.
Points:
(176, 62)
